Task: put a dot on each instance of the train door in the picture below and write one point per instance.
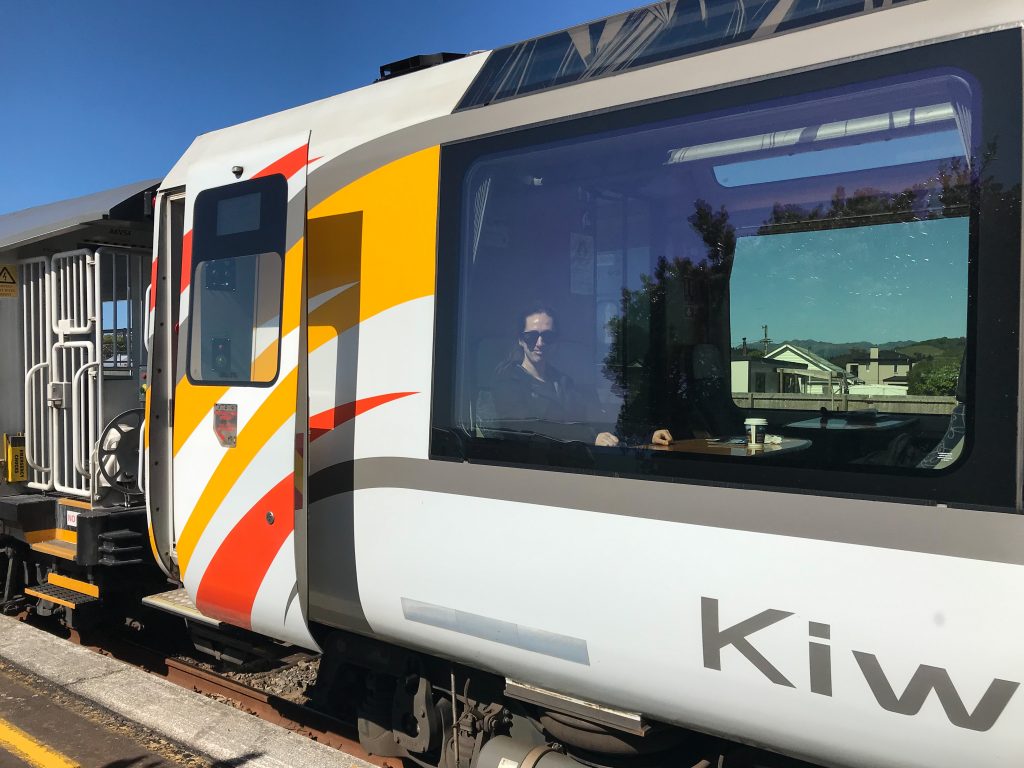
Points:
(162, 334)
(239, 406)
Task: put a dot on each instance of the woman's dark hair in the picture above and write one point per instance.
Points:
(515, 353)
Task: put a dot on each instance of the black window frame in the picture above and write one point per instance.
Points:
(986, 475)
(207, 245)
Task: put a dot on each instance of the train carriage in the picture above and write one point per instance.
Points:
(73, 280)
(467, 378)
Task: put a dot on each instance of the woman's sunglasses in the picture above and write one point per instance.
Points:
(531, 337)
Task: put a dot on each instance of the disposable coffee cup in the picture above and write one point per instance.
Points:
(756, 430)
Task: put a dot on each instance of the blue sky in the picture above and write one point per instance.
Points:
(98, 94)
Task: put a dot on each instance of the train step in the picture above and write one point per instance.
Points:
(66, 550)
(75, 585)
(177, 602)
(69, 598)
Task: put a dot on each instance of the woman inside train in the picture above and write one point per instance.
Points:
(528, 388)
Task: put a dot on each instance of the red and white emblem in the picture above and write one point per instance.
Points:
(225, 424)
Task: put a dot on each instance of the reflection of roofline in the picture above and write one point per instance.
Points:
(775, 365)
(817, 360)
(43, 221)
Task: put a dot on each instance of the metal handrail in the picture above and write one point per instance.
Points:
(76, 439)
(30, 425)
(146, 340)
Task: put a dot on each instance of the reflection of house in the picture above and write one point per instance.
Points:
(879, 372)
(758, 374)
(802, 371)
(876, 366)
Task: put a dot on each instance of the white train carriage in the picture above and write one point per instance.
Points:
(364, 436)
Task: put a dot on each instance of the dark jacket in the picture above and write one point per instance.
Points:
(553, 407)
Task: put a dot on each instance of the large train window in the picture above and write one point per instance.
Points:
(238, 239)
(662, 296)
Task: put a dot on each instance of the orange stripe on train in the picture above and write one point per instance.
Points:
(278, 408)
(232, 579)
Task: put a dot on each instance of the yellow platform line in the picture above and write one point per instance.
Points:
(23, 746)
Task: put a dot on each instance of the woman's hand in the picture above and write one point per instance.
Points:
(606, 439)
(662, 437)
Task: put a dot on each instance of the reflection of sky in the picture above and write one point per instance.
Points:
(893, 282)
(826, 161)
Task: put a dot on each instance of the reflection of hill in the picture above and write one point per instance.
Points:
(935, 348)
(830, 349)
(927, 349)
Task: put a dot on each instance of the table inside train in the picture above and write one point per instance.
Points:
(840, 424)
(733, 446)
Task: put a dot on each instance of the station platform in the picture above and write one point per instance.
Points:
(215, 733)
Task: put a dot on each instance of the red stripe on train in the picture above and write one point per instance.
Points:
(152, 287)
(232, 579)
(186, 260)
(288, 165)
(322, 423)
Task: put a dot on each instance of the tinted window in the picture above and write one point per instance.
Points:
(777, 263)
(641, 37)
(488, 263)
(236, 287)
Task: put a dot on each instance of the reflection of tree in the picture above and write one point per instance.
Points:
(945, 194)
(934, 377)
(114, 341)
(682, 305)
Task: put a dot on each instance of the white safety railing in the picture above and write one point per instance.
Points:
(74, 415)
(119, 285)
(81, 313)
(37, 338)
(74, 297)
(75, 394)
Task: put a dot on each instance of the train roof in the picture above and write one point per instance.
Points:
(65, 216)
(353, 117)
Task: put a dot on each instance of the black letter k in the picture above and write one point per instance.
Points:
(716, 639)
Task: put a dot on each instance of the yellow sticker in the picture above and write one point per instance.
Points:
(8, 282)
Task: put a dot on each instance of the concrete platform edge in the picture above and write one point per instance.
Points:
(197, 722)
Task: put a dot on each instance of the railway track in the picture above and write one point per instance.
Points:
(295, 717)
(300, 718)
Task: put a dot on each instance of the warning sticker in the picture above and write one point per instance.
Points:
(8, 282)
